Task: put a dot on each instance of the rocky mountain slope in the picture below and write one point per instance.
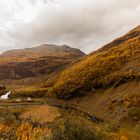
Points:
(37, 61)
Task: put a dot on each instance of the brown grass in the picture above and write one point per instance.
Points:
(29, 91)
(41, 114)
(100, 70)
(67, 127)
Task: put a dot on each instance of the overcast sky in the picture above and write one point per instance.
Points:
(84, 24)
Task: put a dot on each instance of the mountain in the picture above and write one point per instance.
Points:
(106, 83)
(112, 65)
(102, 88)
(37, 61)
(44, 50)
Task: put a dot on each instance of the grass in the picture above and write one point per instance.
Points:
(30, 91)
(75, 130)
(69, 126)
(132, 100)
(100, 70)
(25, 131)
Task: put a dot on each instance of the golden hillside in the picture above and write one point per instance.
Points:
(116, 63)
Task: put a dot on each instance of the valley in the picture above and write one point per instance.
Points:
(58, 92)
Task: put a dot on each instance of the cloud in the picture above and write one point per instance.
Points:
(83, 24)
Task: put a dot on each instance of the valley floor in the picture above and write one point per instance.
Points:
(105, 114)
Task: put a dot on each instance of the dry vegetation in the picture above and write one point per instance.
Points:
(37, 61)
(100, 70)
(24, 131)
(68, 127)
(33, 92)
(45, 50)
(116, 64)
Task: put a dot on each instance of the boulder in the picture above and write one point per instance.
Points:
(18, 100)
(29, 99)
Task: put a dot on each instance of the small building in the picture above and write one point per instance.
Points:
(28, 99)
(18, 100)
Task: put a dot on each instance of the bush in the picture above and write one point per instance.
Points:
(75, 130)
(30, 92)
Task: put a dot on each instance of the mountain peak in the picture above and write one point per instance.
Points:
(39, 60)
(44, 50)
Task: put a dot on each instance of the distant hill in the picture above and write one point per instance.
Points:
(44, 50)
(114, 64)
(32, 62)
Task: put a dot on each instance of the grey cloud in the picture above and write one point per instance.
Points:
(83, 24)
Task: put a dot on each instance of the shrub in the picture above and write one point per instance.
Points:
(30, 92)
(75, 130)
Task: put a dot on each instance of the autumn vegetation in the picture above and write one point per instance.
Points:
(110, 77)
(68, 127)
(32, 92)
(108, 67)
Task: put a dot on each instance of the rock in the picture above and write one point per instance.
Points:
(29, 99)
(18, 100)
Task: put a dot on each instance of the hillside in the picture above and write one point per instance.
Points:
(41, 51)
(114, 64)
(75, 96)
(37, 61)
(106, 83)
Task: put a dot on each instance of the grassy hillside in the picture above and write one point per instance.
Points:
(50, 123)
(110, 78)
(23, 71)
(114, 64)
(45, 50)
(32, 62)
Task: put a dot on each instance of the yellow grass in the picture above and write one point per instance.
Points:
(99, 70)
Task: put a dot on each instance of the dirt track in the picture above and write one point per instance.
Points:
(89, 116)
